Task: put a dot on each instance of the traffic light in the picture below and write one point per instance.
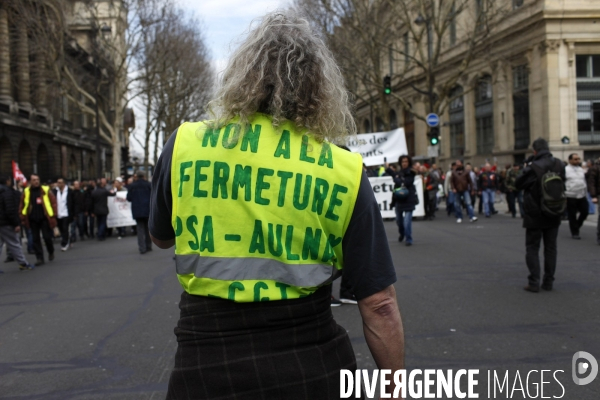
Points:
(434, 136)
(387, 85)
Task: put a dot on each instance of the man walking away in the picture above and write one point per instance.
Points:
(100, 207)
(543, 183)
(462, 187)
(576, 192)
(89, 208)
(488, 184)
(10, 224)
(139, 195)
(38, 212)
(64, 205)
(78, 223)
(512, 194)
(593, 185)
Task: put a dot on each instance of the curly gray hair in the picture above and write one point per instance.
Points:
(285, 70)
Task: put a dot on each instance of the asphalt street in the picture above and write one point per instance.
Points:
(97, 322)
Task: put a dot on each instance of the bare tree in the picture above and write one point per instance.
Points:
(427, 45)
(176, 80)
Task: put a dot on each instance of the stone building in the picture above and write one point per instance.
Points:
(541, 79)
(47, 127)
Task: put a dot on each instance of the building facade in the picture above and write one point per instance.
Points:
(541, 78)
(49, 127)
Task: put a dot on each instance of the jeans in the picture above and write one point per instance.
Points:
(511, 198)
(457, 206)
(13, 247)
(450, 203)
(78, 224)
(42, 227)
(30, 249)
(488, 196)
(592, 209)
(143, 235)
(533, 238)
(404, 222)
(63, 227)
(575, 206)
(91, 222)
(101, 222)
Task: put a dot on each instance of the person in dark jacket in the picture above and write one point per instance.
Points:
(88, 205)
(10, 224)
(64, 205)
(138, 194)
(462, 187)
(488, 185)
(538, 225)
(404, 208)
(78, 223)
(593, 185)
(100, 197)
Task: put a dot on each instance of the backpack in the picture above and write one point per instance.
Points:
(553, 201)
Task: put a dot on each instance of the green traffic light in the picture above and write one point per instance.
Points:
(388, 90)
(434, 141)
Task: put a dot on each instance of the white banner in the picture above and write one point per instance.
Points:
(374, 147)
(383, 187)
(119, 211)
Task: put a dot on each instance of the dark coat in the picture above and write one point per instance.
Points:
(78, 202)
(460, 180)
(488, 180)
(531, 184)
(88, 203)
(138, 193)
(100, 200)
(70, 204)
(25, 217)
(593, 180)
(406, 177)
(9, 207)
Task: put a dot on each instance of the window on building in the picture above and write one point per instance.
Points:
(484, 115)
(517, 3)
(457, 123)
(588, 99)
(393, 119)
(367, 125)
(380, 125)
(521, 106)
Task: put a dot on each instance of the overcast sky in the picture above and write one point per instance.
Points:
(226, 20)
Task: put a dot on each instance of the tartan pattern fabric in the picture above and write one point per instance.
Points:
(288, 349)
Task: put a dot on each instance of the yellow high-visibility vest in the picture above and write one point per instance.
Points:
(45, 200)
(259, 213)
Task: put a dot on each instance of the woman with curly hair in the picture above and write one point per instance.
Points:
(265, 211)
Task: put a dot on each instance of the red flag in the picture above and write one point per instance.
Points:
(17, 174)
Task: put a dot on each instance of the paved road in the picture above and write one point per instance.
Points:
(97, 323)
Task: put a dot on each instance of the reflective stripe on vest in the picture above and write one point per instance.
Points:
(237, 269)
(259, 213)
(45, 198)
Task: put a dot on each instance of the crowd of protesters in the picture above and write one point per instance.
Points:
(474, 190)
(66, 211)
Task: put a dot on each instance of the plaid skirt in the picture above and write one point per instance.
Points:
(288, 349)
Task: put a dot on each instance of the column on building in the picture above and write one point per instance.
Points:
(469, 118)
(536, 125)
(551, 103)
(421, 140)
(501, 93)
(5, 95)
(22, 58)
